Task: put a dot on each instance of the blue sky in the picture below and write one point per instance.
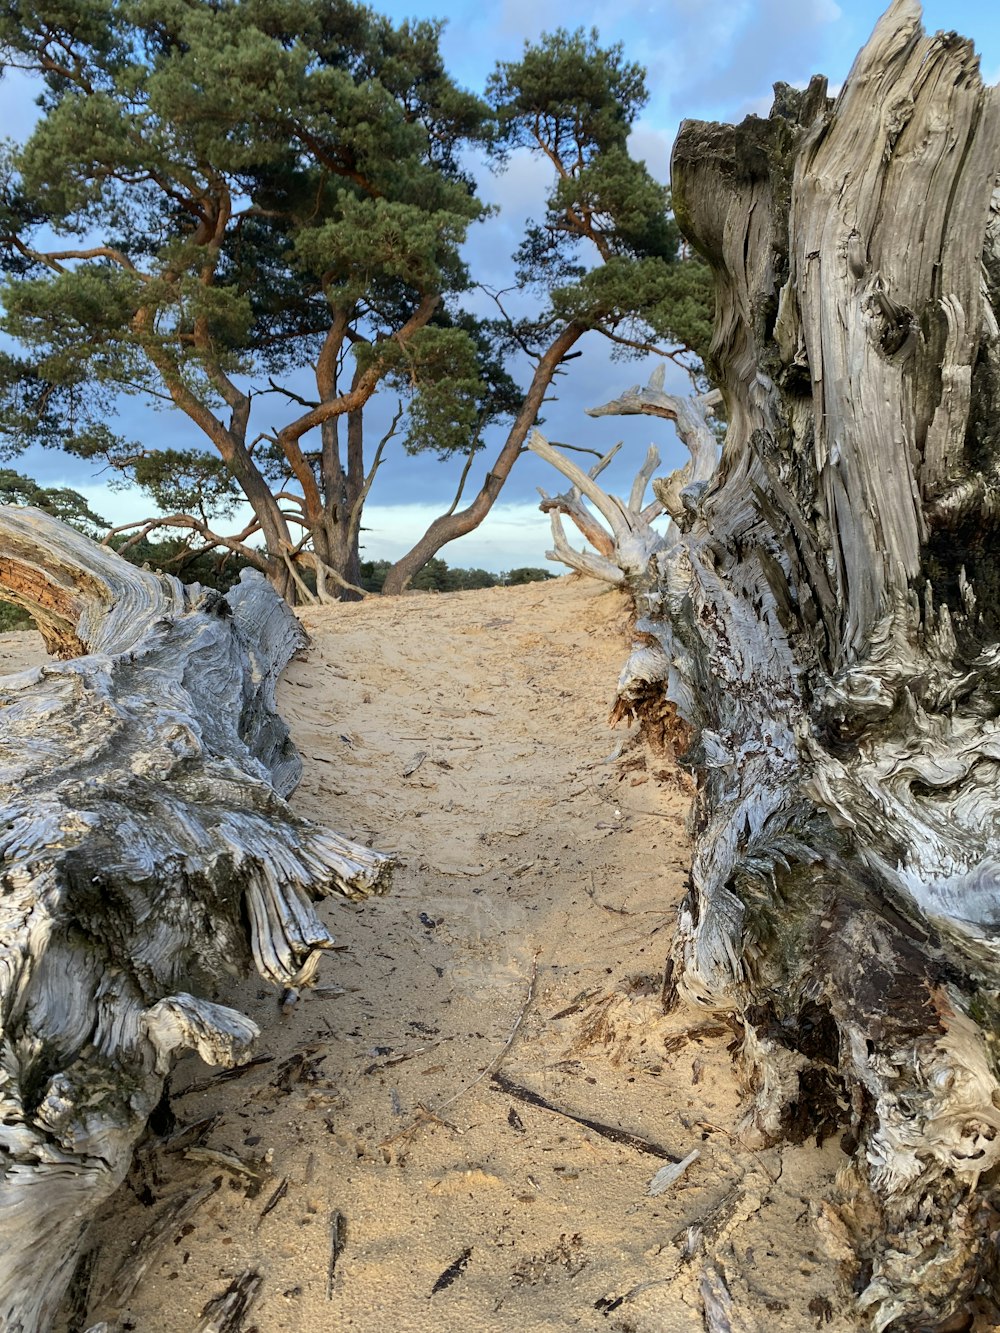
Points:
(712, 61)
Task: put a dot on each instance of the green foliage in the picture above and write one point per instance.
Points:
(14, 618)
(373, 574)
(644, 300)
(175, 556)
(525, 574)
(59, 501)
(246, 188)
(186, 481)
(434, 577)
(457, 381)
(255, 172)
(579, 97)
(574, 102)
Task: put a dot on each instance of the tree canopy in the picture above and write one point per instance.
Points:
(605, 254)
(574, 102)
(253, 211)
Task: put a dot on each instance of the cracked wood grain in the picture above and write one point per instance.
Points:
(146, 843)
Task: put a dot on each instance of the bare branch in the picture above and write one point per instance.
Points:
(466, 469)
(211, 539)
(356, 508)
(54, 258)
(608, 506)
(292, 397)
(310, 557)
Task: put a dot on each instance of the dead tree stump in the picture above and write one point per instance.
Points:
(829, 630)
(147, 848)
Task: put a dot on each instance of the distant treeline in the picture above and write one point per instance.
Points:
(436, 576)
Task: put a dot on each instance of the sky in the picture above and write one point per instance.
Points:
(713, 61)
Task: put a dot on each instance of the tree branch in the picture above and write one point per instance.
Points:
(188, 521)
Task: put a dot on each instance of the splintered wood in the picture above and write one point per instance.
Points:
(822, 615)
(146, 841)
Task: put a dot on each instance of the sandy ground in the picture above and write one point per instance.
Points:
(426, 1108)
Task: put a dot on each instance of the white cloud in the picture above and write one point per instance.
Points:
(512, 535)
(715, 61)
(652, 145)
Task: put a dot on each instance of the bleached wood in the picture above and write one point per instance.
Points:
(145, 844)
(826, 628)
(624, 552)
(680, 490)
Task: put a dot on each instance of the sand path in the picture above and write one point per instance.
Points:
(541, 859)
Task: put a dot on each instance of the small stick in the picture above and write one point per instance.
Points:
(713, 1222)
(275, 1199)
(499, 1058)
(427, 1114)
(592, 894)
(224, 1159)
(338, 1239)
(424, 1116)
(400, 1058)
(611, 1132)
(667, 1175)
(433, 1112)
(224, 1076)
(717, 1302)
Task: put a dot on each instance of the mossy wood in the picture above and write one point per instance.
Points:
(146, 849)
(827, 628)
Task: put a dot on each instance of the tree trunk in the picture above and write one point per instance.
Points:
(146, 842)
(448, 527)
(827, 629)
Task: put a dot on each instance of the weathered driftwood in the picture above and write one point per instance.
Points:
(146, 844)
(624, 548)
(599, 563)
(626, 551)
(827, 629)
(679, 492)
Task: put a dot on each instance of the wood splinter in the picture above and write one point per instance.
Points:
(338, 1239)
(503, 1084)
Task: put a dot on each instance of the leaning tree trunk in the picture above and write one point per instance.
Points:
(828, 629)
(145, 843)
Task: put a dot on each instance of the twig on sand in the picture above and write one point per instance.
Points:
(338, 1239)
(612, 1132)
(605, 907)
(502, 1054)
(224, 1076)
(433, 1113)
(274, 1200)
